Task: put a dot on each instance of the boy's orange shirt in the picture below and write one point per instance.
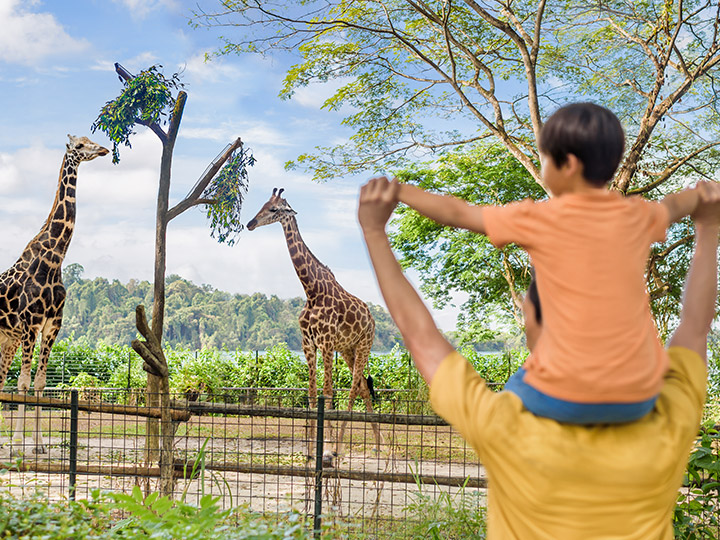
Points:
(599, 343)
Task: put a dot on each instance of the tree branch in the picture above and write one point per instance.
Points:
(193, 198)
(671, 169)
(124, 74)
(149, 350)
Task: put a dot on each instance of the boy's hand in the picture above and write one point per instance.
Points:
(378, 199)
(709, 192)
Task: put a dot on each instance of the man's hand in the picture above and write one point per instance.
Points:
(378, 199)
(708, 208)
(421, 336)
(698, 309)
(707, 213)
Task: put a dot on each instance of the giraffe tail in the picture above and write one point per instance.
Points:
(371, 388)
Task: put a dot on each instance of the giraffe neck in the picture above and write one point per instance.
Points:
(57, 231)
(314, 275)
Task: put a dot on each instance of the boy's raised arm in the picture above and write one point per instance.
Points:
(443, 209)
(684, 203)
(427, 345)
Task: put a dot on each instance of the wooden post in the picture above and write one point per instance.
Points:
(156, 366)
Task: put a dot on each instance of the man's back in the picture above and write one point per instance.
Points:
(558, 481)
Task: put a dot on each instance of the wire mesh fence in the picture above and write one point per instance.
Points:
(258, 450)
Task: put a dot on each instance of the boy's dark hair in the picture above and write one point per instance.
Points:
(534, 297)
(592, 133)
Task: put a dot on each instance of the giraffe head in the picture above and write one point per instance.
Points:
(276, 209)
(84, 149)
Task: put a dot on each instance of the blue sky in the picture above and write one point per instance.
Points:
(56, 72)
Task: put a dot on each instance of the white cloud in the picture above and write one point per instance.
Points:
(212, 70)
(140, 9)
(133, 64)
(315, 94)
(28, 38)
(254, 134)
(139, 62)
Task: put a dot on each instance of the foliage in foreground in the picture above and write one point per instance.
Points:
(697, 512)
(459, 516)
(148, 517)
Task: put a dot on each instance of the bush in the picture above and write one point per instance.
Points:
(446, 517)
(696, 515)
(35, 517)
(496, 368)
(148, 517)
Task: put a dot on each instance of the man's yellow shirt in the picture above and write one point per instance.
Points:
(548, 480)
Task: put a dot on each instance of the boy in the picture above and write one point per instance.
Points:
(598, 358)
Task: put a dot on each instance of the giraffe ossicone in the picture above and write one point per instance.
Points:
(331, 320)
(32, 295)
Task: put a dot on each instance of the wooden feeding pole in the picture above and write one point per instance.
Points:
(156, 364)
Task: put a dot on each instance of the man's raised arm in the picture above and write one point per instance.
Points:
(701, 286)
(427, 345)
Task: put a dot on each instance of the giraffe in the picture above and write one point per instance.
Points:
(32, 295)
(331, 320)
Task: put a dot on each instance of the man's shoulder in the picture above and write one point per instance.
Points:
(462, 397)
(685, 383)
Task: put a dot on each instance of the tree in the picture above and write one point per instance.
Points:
(72, 273)
(146, 100)
(451, 261)
(424, 76)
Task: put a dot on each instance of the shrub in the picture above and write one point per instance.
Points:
(445, 516)
(148, 517)
(696, 512)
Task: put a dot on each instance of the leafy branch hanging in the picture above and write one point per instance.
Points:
(145, 100)
(227, 191)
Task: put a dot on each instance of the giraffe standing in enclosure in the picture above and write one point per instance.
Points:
(32, 295)
(332, 319)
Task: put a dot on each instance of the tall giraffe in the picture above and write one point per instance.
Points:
(332, 319)
(32, 295)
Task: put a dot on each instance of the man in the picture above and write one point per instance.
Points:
(549, 480)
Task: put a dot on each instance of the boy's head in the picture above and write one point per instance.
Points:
(591, 133)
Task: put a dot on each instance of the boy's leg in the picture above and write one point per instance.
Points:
(575, 413)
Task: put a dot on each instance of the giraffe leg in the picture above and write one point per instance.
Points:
(18, 438)
(7, 355)
(328, 356)
(49, 334)
(349, 357)
(311, 357)
(360, 387)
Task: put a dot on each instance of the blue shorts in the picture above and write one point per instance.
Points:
(575, 413)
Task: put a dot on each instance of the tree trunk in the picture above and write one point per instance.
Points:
(167, 437)
(155, 386)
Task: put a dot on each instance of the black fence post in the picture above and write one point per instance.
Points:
(129, 372)
(73, 441)
(62, 373)
(319, 465)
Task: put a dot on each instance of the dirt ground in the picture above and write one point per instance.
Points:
(114, 440)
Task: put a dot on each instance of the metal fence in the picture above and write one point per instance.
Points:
(258, 454)
(261, 450)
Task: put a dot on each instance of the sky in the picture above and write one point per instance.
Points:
(56, 72)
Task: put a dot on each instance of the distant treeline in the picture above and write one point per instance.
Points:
(196, 316)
